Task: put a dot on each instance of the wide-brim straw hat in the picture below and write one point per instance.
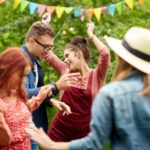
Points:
(134, 48)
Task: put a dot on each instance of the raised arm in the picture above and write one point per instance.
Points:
(56, 63)
(51, 58)
(104, 59)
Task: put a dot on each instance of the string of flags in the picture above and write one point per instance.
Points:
(98, 12)
(77, 12)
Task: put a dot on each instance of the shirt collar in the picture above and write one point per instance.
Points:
(24, 47)
(135, 74)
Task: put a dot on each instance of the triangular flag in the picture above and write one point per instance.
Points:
(23, 5)
(50, 8)
(130, 3)
(119, 7)
(141, 1)
(90, 13)
(68, 9)
(77, 12)
(82, 18)
(104, 9)
(82, 15)
(1, 1)
(111, 9)
(32, 7)
(97, 13)
(16, 3)
(59, 11)
(41, 9)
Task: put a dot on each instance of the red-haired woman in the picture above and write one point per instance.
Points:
(15, 110)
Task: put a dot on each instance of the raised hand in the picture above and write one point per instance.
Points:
(46, 18)
(67, 80)
(90, 28)
(61, 106)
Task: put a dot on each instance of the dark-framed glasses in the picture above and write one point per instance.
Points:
(46, 47)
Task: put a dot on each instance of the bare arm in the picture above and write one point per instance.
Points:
(39, 136)
(61, 106)
(5, 133)
(90, 29)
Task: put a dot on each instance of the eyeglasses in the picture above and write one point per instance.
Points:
(46, 48)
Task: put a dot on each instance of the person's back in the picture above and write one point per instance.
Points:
(130, 113)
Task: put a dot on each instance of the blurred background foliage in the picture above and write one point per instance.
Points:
(14, 26)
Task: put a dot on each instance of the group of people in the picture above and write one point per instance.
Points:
(89, 113)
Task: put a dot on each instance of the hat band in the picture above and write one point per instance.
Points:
(135, 52)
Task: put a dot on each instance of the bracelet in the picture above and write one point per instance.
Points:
(91, 37)
(55, 86)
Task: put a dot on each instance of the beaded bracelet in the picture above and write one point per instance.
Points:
(91, 37)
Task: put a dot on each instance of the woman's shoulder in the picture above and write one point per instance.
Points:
(122, 87)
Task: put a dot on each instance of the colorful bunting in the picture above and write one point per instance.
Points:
(90, 13)
(51, 8)
(130, 3)
(32, 7)
(141, 1)
(41, 9)
(119, 7)
(104, 9)
(112, 9)
(68, 10)
(16, 3)
(77, 12)
(1, 1)
(97, 13)
(23, 5)
(59, 11)
(82, 15)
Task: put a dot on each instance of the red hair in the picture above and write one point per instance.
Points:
(11, 60)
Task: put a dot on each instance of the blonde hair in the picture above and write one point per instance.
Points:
(122, 71)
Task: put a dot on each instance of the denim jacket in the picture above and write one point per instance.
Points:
(121, 115)
(39, 115)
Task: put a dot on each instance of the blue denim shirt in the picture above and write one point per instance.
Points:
(39, 115)
(121, 115)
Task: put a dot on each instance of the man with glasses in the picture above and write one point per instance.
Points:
(39, 40)
(45, 47)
